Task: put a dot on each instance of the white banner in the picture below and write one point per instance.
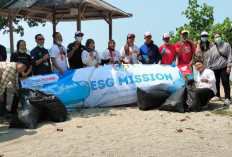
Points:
(109, 85)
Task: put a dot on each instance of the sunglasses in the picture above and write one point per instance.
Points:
(41, 39)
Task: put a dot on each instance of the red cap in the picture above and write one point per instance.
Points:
(147, 34)
(130, 35)
(165, 36)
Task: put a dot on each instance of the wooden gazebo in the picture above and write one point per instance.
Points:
(61, 10)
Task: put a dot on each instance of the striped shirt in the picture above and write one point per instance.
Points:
(8, 73)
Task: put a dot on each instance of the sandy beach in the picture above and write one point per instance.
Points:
(124, 131)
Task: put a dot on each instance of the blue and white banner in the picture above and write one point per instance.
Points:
(109, 85)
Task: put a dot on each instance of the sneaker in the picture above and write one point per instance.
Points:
(216, 98)
(227, 102)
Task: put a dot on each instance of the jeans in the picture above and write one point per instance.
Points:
(221, 74)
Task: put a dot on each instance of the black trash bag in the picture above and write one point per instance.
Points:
(28, 114)
(175, 102)
(191, 102)
(151, 98)
(53, 106)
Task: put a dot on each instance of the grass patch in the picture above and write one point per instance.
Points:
(223, 112)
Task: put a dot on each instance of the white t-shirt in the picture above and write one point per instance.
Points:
(115, 55)
(131, 57)
(59, 54)
(90, 61)
(208, 75)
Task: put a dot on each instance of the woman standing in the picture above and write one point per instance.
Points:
(90, 57)
(130, 52)
(203, 48)
(220, 61)
(111, 56)
(20, 55)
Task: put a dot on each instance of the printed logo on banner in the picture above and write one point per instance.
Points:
(39, 80)
(120, 67)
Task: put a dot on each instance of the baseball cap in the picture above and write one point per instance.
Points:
(166, 36)
(184, 31)
(130, 35)
(147, 34)
(204, 33)
(79, 32)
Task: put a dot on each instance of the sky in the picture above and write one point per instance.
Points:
(154, 16)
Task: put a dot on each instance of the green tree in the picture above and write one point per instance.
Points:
(4, 22)
(200, 19)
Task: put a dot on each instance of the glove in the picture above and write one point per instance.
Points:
(164, 49)
(173, 64)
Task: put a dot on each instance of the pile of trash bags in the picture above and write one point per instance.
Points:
(183, 100)
(36, 106)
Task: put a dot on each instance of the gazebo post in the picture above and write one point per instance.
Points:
(54, 26)
(79, 18)
(11, 31)
(110, 25)
(54, 22)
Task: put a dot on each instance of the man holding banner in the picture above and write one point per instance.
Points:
(40, 57)
(149, 51)
(167, 51)
(185, 49)
(58, 54)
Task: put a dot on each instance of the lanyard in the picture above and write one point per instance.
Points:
(111, 53)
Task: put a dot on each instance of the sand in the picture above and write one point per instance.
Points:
(124, 131)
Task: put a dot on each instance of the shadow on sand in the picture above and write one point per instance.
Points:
(7, 134)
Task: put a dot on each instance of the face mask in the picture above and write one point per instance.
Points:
(22, 51)
(184, 40)
(40, 46)
(204, 39)
(166, 43)
(59, 42)
(79, 39)
(218, 40)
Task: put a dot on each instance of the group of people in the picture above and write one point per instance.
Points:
(215, 56)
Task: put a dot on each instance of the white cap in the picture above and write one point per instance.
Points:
(78, 32)
(147, 34)
(166, 35)
(205, 33)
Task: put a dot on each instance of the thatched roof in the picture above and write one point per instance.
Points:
(64, 10)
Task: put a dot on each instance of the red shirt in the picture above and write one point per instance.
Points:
(169, 55)
(187, 50)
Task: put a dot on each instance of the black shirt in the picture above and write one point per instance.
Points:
(44, 67)
(3, 55)
(75, 61)
(24, 57)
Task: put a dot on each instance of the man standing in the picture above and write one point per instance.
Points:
(220, 61)
(40, 57)
(206, 87)
(185, 49)
(167, 51)
(58, 54)
(9, 73)
(74, 51)
(149, 51)
(3, 57)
